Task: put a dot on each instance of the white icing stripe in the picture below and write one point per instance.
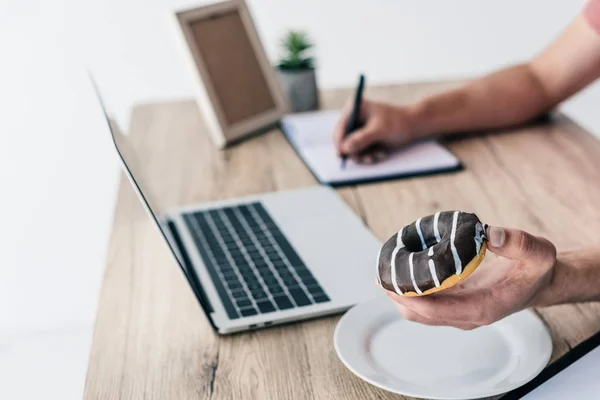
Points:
(433, 273)
(394, 254)
(479, 233)
(399, 242)
(436, 231)
(418, 225)
(377, 265)
(457, 262)
(412, 273)
(430, 252)
(399, 245)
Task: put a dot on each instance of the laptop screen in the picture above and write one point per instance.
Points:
(155, 201)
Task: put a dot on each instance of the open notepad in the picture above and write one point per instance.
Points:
(572, 376)
(310, 134)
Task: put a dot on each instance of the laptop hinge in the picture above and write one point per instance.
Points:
(189, 271)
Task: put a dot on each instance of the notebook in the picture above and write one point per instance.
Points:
(310, 135)
(573, 376)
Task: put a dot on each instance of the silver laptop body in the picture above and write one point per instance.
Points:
(264, 260)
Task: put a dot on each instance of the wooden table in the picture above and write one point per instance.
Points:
(152, 340)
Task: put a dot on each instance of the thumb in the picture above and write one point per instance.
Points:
(359, 140)
(518, 245)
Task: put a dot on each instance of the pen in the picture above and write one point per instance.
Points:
(354, 119)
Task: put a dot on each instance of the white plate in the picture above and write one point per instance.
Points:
(379, 346)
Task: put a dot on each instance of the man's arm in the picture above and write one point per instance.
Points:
(517, 94)
(509, 97)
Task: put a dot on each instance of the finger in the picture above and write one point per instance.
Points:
(367, 158)
(356, 158)
(413, 316)
(340, 127)
(467, 308)
(359, 140)
(372, 155)
(380, 155)
(363, 158)
(484, 277)
(515, 244)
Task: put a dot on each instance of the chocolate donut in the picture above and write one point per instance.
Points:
(432, 253)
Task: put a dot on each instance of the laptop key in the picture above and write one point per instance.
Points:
(290, 281)
(246, 312)
(281, 268)
(283, 302)
(230, 277)
(271, 281)
(300, 297)
(243, 303)
(253, 286)
(315, 290)
(302, 271)
(250, 277)
(234, 285)
(310, 281)
(222, 260)
(322, 298)
(275, 289)
(259, 294)
(267, 276)
(265, 306)
(285, 276)
(251, 282)
(239, 294)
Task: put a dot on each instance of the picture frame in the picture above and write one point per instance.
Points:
(237, 89)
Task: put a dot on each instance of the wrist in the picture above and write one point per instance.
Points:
(412, 121)
(549, 293)
(575, 278)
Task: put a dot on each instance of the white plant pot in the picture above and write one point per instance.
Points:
(300, 87)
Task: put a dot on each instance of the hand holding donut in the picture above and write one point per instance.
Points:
(514, 281)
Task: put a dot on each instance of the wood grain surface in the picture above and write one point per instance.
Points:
(152, 340)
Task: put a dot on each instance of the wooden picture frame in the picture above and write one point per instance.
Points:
(236, 87)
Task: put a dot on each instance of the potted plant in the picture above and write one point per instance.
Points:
(297, 72)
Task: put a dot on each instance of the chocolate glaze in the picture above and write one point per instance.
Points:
(467, 240)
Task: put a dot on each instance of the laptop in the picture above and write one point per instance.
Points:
(266, 259)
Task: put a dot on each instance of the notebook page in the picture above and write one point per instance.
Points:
(311, 129)
(417, 158)
(311, 135)
(578, 381)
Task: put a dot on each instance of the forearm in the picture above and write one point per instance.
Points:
(576, 278)
(517, 94)
(508, 97)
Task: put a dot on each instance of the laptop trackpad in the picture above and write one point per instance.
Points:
(336, 246)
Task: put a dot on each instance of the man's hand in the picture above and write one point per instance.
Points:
(496, 289)
(525, 91)
(384, 126)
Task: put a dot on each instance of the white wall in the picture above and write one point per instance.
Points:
(129, 42)
(58, 177)
(58, 172)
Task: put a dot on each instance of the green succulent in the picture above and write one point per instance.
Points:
(295, 46)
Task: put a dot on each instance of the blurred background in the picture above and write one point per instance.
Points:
(59, 174)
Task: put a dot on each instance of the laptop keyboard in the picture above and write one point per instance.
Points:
(254, 268)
